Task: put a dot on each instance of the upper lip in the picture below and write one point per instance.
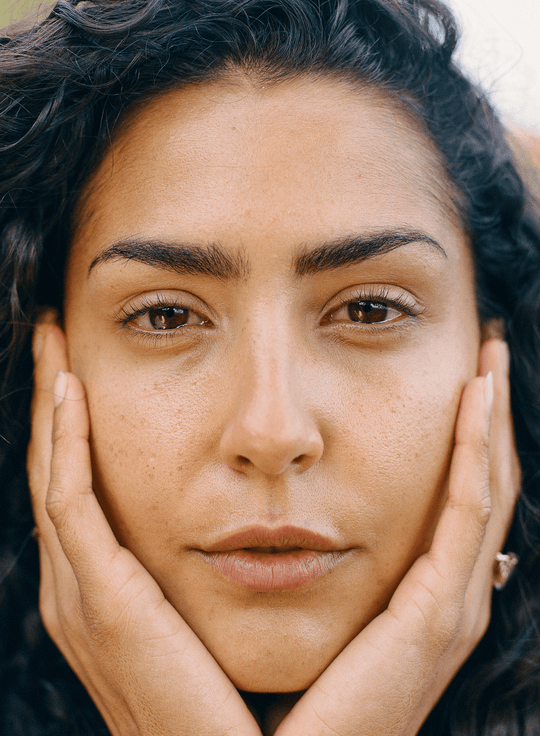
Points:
(285, 536)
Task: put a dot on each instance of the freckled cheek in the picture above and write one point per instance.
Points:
(146, 446)
(402, 444)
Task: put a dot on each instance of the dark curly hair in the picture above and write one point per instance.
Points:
(65, 84)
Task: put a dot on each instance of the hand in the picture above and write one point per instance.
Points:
(388, 679)
(147, 672)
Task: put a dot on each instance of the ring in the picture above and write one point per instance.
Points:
(504, 566)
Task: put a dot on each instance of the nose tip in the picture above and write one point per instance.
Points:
(272, 438)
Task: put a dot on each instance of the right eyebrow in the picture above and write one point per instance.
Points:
(344, 252)
(182, 258)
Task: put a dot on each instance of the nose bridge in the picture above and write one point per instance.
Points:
(271, 427)
(271, 390)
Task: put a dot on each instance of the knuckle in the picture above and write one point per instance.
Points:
(476, 508)
(482, 508)
(55, 503)
(448, 628)
(60, 435)
(102, 628)
(452, 625)
(439, 621)
(447, 635)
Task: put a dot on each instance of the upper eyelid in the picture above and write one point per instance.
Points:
(375, 292)
(145, 303)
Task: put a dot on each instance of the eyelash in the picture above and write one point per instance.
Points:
(380, 295)
(147, 304)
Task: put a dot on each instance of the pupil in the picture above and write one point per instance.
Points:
(367, 312)
(168, 318)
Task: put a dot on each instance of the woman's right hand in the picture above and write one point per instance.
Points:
(145, 669)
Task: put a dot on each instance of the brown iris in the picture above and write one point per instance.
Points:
(367, 312)
(168, 318)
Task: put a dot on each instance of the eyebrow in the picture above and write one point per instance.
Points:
(351, 251)
(184, 258)
(213, 260)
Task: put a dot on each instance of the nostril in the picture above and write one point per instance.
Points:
(300, 460)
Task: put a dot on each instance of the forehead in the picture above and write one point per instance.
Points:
(308, 158)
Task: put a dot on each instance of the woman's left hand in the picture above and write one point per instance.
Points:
(390, 676)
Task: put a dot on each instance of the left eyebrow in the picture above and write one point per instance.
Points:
(184, 258)
(354, 250)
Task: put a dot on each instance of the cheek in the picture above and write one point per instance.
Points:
(396, 439)
(148, 439)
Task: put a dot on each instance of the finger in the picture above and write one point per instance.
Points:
(435, 587)
(71, 503)
(56, 575)
(51, 356)
(504, 461)
(101, 566)
(505, 475)
(461, 528)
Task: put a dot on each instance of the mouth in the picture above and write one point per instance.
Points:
(266, 560)
(284, 538)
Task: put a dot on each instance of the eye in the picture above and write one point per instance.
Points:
(376, 306)
(367, 312)
(170, 318)
(161, 314)
(167, 318)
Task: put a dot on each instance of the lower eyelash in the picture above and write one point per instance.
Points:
(153, 338)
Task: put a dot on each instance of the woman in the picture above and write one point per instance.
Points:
(271, 251)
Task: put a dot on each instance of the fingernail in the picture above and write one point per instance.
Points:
(60, 386)
(488, 392)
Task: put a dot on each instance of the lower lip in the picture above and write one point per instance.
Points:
(265, 571)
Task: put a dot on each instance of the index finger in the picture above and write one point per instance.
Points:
(50, 356)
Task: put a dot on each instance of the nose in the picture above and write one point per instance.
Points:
(270, 430)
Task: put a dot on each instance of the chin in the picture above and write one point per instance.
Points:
(265, 680)
(278, 671)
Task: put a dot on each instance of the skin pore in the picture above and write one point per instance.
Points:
(330, 327)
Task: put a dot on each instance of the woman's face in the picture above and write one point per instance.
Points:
(272, 309)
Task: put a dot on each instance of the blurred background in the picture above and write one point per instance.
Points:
(500, 48)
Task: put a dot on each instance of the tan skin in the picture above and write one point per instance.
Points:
(276, 403)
